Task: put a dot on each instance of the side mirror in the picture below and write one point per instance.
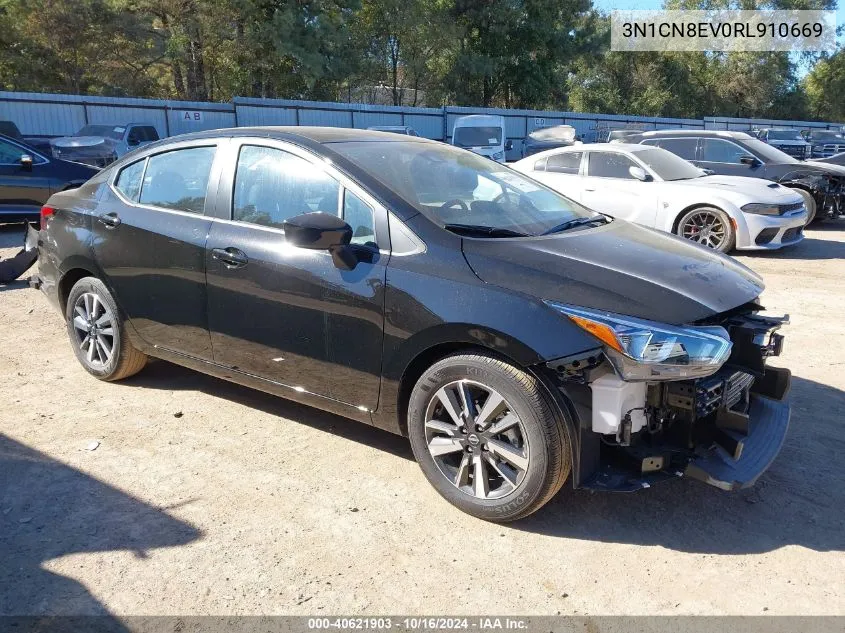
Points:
(508, 145)
(639, 173)
(26, 162)
(708, 172)
(749, 160)
(322, 232)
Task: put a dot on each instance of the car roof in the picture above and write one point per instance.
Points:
(709, 133)
(304, 134)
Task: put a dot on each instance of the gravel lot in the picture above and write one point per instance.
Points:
(203, 497)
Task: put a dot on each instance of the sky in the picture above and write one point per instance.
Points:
(609, 5)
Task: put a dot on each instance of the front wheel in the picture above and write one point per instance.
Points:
(487, 437)
(97, 333)
(708, 226)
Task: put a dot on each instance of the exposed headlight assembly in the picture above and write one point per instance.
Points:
(646, 350)
(498, 156)
(762, 209)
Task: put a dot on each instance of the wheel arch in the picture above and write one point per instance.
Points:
(699, 205)
(69, 279)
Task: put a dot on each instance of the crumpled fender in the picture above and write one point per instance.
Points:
(11, 269)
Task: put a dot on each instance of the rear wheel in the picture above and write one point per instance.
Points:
(97, 333)
(809, 204)
(708, 226)
(487, 437)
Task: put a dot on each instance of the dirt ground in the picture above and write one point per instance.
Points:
(203, 497)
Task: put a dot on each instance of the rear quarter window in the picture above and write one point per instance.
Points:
(128, 181)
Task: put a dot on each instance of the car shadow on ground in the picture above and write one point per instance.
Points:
(797, 502)
(163, 375)
(49, 510)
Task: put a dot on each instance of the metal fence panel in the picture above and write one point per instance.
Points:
(121, 115)
(327, 117)
(183, 118)
(249, 116)
(364, 120)
(41, 117)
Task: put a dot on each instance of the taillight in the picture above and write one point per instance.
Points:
(46, 212)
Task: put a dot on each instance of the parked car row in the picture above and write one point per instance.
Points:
(518, 338)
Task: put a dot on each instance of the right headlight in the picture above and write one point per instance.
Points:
(762, 209)
(646, 350)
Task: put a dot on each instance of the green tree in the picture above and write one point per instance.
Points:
(825, 88)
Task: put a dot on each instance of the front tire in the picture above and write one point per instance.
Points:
(98, 334)
(487, 437)
(708, 226)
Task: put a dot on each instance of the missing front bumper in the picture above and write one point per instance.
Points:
(768, 422)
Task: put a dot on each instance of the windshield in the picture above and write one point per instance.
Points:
(831, 137)
(477, 136)
(785, 135)
(768, 153)
(453, 186)
(667, 165)
(108, 131)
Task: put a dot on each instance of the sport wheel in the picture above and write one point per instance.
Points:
(487, 437)
(97, 333)
(710, 227)
(809, 204)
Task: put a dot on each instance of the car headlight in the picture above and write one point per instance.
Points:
(762, 209)
(646, 350)
(498, 156)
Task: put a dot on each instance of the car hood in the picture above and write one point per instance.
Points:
(830, 168)
(619, 267)
(73, 142)
(757, 188)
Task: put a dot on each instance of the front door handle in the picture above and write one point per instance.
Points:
(111, 220)
(589, 189)
(232, 257)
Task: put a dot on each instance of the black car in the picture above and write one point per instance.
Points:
(545, 138)
(28, 178)
(517, 338)
(738, 154)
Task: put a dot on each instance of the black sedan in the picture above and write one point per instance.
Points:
(28, 178)
(517, 338)
(737, 154)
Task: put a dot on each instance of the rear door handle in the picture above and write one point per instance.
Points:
(589, 189)
(111, 220)
(232, 257)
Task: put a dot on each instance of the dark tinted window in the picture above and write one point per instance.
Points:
(715, 150)
(608, 165)
(10, 154)
(129, 180)
(358, 215)
(178, 179)
(272, 186)
(683, 147)
(565, 162)
(144, 133)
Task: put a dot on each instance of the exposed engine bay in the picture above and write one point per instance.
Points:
(724, 429)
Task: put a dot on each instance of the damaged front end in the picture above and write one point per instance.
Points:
(722, 423)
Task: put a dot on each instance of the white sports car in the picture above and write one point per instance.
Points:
(656, 188)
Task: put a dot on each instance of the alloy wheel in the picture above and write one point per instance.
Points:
(94, 326)
(706, 228)
(476, 439)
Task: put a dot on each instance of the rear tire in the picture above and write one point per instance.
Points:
(500, 457)
(809, 204)
(98, 333)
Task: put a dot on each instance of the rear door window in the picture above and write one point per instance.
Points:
(272, 185)
(683, 147)
(565, 162)
(178, 179)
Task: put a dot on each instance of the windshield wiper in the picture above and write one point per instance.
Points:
(571, 224)
(486, 231)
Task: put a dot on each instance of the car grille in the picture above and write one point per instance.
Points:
(828, 149)
(796, 151)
